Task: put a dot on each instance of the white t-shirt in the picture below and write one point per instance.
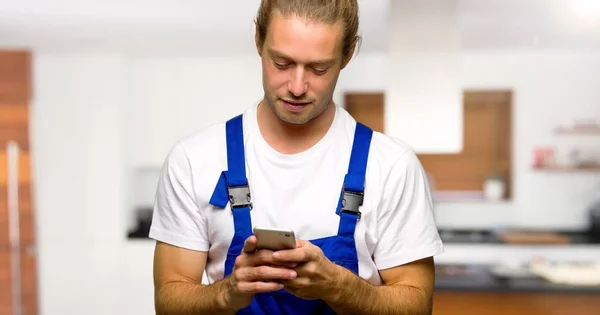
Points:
(299, 192)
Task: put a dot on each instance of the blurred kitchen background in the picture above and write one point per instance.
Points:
(500, 98)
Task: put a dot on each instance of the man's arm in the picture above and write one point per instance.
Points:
(407, 289)
(177, 282)
(407, 242)
(182, 243)
(180, 256)
(407, 234)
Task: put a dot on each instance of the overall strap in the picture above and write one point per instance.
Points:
(233, 185)
(352, 195)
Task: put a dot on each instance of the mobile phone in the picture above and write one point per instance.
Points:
(274, 239)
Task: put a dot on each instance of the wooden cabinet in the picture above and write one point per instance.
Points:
(15, 77)
(367, 108)
(515, 303)
(18, 266)
(487, 144)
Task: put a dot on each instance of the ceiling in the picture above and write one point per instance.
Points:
(530, 24)
(225, 26)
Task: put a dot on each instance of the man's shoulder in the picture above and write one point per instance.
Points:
(205, 147)
(205, 138)
(388, 151)
(383, 147)
(391, 159)
(199, 151)
(385, 151)
(212, 137)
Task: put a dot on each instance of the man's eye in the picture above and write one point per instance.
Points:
(281, 65)
(320, 70)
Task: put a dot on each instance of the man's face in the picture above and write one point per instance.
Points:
(301, 62)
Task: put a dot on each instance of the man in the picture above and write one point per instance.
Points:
(357, 200)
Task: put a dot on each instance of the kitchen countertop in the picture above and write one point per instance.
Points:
(488, 237)
(481, 279)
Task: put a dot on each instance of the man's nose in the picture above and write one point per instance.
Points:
(298, 85)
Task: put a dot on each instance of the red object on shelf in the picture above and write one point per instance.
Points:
(543, 156)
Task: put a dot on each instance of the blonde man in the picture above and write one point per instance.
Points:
(357, 200)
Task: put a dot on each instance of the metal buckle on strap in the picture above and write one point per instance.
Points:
(351, 201)
(239, 197)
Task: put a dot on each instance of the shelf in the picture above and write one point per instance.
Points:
(578, 131)
(558, 168)
(464, 197)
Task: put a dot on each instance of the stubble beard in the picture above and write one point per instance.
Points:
(301, 119)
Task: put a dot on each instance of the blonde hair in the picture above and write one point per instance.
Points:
(325, 11)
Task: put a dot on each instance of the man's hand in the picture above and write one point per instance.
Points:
(316, 273)
(255, 271)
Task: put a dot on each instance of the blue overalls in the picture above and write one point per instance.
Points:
(233, 188)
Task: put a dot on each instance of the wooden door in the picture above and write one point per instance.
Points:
(18, 270)
(367, 108)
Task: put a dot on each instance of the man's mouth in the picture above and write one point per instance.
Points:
(296, 103)
(295, 106)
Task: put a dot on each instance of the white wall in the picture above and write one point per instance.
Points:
(79, 183)
(423, 75)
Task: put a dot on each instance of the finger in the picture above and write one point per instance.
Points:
(249, 244)
(308, 270)
(302, 243)
(270, 273)
(297, 255)
(259, 287)
(267, 273)
(261, 257)
(287, 264)
(265, 257)
(304, 252)
(294, 284)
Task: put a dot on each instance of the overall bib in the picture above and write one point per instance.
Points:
(233, 188)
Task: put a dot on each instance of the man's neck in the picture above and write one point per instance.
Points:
(289, 138)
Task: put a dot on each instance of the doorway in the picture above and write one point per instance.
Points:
(18, 264)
